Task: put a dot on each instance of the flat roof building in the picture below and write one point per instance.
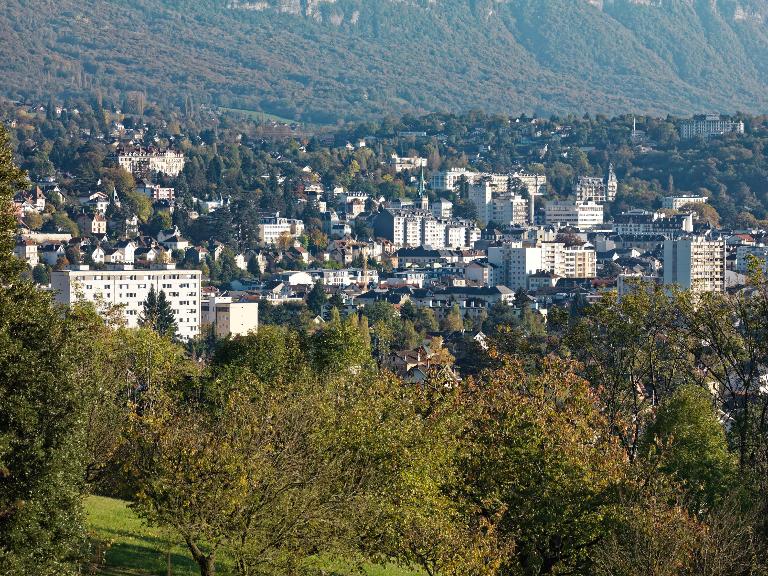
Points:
(128, 289)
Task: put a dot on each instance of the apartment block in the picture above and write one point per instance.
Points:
(695, 263)
(583, 215)
(229, 317)
(677, 202)
(128, 289)
(271, 227)
(514, 263)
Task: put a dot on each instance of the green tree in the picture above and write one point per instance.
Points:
(11, 180)
(687, 442)
(540, 460)
(341, 346)
(34, 220)
(453, 322)
(635, 354)
(41, 431)
(40, 275)
(139, 204)
(158, 314)
(316, 298)
(63, 223)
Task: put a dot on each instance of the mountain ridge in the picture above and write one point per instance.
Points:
(325, 60)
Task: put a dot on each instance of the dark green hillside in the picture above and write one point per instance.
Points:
(322, 61)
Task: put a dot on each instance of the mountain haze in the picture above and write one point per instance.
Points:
(324, 60)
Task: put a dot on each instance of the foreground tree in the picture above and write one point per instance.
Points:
(687, 443)
(634, 354)
(540, 460)
(272, 466)
(41, 432)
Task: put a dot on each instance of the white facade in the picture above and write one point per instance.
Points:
(579, 262)
(514, 262)
(441, 208)
(448, 180)
(271, 228)
(346, 276)
(743, 254)
(230, 318)
(695, 264)
(129, 289)
(141, 161)
(494, 203)
(709, 125)
(415, 227)
(677, 202)
(584, 215)
(401, 163)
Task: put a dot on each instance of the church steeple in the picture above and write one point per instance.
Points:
(423, 199)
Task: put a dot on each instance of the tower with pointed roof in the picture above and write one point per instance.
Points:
(423, 198)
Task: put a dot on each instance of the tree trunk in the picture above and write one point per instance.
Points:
(205, 563)
(207, 566)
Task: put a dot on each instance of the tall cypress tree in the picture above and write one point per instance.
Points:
(158, 314)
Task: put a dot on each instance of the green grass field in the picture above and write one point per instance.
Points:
(256, 115)
(128, 547)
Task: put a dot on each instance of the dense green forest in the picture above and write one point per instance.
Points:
(324, 61)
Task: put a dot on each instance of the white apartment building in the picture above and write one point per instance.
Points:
(579, 262)
(569, 261)
(346, 276)
(677, 202)
(441, 208)
(695, 264)
(744, 253)
(448, 180)
(156, 192)
(411, 163)
(433, 232)
(495, 204)
(709, 125)
(514, 262)
(272, 227)
(230, 318)
(129, 288)
(510, 209)
(583, 215)
(416, 227)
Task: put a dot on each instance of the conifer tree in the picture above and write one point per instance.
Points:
(158, 314)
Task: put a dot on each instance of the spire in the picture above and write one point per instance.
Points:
(423, 199)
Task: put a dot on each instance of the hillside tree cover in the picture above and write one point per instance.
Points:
(391, 57)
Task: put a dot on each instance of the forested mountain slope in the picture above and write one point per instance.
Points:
(322, 60)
